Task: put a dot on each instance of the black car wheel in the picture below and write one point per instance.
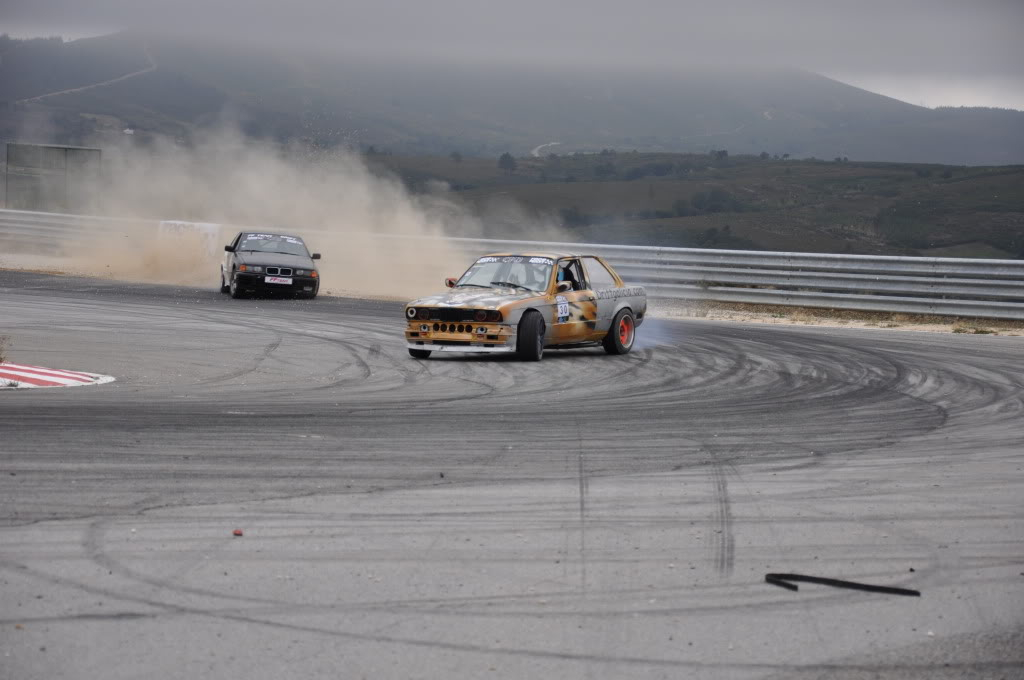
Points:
(530, 339)
(236, 290)
(419, 353)
(622, 333)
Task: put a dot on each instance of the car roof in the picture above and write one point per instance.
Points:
(540, 253)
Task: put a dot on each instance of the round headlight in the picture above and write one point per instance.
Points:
(300, 272)
(410, 312)
(480, 315)
(424, 313)
(257, 269)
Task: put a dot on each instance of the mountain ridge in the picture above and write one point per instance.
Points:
(436, 108)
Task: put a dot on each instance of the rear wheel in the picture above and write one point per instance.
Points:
(530, 339)
(419, 353)
(622, 333)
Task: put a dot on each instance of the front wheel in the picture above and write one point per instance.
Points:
(530, 339)
(235, 290)
(224, 288)
(622, 333)
(419, 353)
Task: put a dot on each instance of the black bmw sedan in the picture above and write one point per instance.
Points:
(260, 262)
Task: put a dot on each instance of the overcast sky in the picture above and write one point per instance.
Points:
(930, 52)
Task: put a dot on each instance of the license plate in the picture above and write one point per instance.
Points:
(284, 280)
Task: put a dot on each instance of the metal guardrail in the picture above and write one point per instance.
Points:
(922, 285)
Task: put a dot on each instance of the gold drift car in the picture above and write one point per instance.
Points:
(526, 302)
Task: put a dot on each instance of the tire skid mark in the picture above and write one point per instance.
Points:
(583, 485)
(94, 546)
(722, 543)
(267, 350)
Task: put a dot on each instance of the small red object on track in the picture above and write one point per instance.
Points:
(237, 532)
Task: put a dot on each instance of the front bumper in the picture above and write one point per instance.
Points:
(470, 349)
(299, 284)
(495, 337)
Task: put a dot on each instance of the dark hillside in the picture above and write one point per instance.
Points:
(745, 202)
(29, 68)
(436, 109)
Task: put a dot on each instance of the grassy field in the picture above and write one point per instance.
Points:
(746, 201)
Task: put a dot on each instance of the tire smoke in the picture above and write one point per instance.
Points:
(376, 237)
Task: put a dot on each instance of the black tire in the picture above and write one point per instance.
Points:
(235, 290)
(224, 288)
(530, 340)
(622, 333)
(419, 353)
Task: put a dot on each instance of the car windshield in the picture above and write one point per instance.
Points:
(514, 271)
(273, 243)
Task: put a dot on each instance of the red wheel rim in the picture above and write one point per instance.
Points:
(626, 331)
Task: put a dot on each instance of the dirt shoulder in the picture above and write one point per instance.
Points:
(837, 318)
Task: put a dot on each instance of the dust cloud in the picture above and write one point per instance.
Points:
(376, 238)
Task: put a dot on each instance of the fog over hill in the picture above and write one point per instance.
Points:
(176, 86)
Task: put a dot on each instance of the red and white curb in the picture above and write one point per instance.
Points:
(13, 376)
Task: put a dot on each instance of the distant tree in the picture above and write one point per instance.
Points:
(785, 156)
(764, 155)
(682, 208)
(507, 163)
(700, 200)
(715, 201)
(455, 156)
(371, 150)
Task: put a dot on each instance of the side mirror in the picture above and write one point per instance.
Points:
(563, 287)
(315, 256)
(229, 249)
(450, 282)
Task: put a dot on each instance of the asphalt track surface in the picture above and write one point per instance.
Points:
(587, 516)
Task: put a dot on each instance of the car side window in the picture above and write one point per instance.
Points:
(572, 271)
(600, 277)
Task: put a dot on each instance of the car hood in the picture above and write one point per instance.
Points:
(274, 259)
(475, 298)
